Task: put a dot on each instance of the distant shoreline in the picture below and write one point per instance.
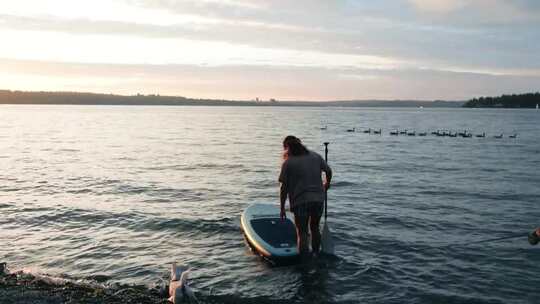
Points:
(75, 98)
(528, 101)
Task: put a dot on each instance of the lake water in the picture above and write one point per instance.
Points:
(124, 191)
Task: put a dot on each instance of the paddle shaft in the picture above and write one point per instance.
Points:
(325, 191)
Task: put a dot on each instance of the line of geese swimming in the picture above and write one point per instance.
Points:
(441, 133)
(368, 131)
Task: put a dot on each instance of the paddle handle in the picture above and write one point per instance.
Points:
(326, 151)
(325, 191)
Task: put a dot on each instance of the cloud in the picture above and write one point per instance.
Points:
(95, 48)
(486, 38)
(421, 45)
(480, 12)
(439, 6)
(248, 82)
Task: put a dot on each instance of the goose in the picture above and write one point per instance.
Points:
(351, 130)
(452, 134)
(422, 134)
(481, 135)
(513, 135)
(367, 131)
(377, 132)
(403, 132)
(498, 136)
(412, 133)
(434, 132)
(324, 128)
(395, 132)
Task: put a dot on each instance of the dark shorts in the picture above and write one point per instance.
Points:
(309, 209)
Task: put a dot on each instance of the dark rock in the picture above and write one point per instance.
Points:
(100, 278)
(26, 288)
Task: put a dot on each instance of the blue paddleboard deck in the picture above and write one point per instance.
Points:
(270, 236)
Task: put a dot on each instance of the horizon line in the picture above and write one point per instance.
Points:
(256, 99)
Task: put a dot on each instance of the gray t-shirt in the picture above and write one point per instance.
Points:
(302, 177)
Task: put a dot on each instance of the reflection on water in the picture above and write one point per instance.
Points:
(124, 191)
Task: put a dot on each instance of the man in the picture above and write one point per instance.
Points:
(301, 181)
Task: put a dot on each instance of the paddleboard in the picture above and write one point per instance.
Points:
(267, 234)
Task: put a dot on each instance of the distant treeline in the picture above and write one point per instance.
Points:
(75, 98)
(529, 100)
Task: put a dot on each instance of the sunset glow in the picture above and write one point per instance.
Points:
(304, 50)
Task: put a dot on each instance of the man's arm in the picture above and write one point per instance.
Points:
(282, 199)
(328, 172)
(283, 189)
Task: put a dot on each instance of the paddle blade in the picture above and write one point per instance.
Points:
(327, 243)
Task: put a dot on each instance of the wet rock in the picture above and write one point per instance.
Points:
(100, 278)
(160, 289)
(22, 287)
(24, 277)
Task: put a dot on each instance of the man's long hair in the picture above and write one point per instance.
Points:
(294, 146)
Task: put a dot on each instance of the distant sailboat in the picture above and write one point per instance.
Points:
(537, 106)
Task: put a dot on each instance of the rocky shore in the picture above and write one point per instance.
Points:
(22, 287)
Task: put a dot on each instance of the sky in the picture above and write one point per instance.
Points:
(314, 50)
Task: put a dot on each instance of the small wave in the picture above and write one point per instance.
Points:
(81, 218)
(258, 170)
(35, 209)
(166, 167)
(492, 170)
(10, 189)
(232, 299)
(432, 297)
(79, 191)
(69, 150)
(218, 166)
(263, 184)
(483, 195)
(190, 225)
(340, 184)
(125, 158)
(151, 193)
(196, 167)
(401, 222)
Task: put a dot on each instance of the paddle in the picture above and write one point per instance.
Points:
(326, 238)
